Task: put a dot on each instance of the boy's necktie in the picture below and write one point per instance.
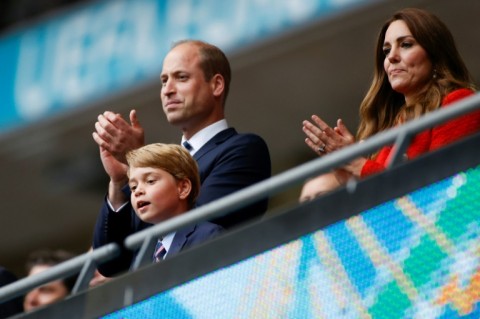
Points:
(159, 253)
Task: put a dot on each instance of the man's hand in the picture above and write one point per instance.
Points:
(117, 136)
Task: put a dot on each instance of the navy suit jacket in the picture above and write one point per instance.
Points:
(227, 162)
(192, 235)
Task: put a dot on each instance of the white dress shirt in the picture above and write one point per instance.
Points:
(203, 136)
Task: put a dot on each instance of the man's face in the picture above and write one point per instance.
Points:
(188, 99)
(46, 294)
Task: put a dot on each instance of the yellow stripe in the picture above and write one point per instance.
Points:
(380, 257)
(410, 210)
(343, 286)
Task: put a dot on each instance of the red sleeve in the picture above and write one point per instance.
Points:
(441, 135)
(457, 128)
(371, 167)
(378, 163)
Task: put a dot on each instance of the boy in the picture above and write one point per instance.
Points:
(164, 183)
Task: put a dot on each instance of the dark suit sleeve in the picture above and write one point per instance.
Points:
(114, 227)
(241, 161)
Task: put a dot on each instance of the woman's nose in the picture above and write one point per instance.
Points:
(393, 55)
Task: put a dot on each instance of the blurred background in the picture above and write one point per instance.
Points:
(65, 62)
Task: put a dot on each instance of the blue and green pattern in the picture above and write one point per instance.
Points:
(417, 256)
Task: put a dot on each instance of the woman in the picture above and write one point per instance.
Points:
(417, 70)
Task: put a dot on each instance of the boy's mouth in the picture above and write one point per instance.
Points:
(142, 204)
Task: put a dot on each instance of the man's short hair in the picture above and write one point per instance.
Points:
(212, 61)
(46, 257)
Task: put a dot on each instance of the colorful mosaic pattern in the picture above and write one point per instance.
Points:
(414, 257)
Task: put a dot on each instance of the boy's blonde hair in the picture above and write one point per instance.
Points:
(172, 158)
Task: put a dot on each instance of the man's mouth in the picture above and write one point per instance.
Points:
(171, 103)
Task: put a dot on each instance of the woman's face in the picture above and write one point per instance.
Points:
(406, 63)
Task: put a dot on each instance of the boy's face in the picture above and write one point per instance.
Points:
(156, 194)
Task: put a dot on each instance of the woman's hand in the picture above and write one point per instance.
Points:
(323, 139)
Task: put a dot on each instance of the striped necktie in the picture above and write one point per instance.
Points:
(160, 252)
(187, 146)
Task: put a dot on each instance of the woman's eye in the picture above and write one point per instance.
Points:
(386, 51)
(407, 44)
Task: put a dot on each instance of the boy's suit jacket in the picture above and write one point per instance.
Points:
(228, 162)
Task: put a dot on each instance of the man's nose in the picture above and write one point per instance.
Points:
(31, 300)
(168, 87)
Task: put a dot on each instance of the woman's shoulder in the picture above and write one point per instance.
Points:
(457, 95)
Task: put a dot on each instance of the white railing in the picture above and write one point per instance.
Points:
(145, 240)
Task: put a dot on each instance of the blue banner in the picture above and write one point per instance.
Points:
(104, 47)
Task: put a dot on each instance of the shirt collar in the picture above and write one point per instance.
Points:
(167, 241)
(205, 135)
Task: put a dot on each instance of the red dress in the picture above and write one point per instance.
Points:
(433, 138)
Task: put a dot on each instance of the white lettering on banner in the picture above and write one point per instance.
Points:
(108, 46)
(94, 50)
(232, 23)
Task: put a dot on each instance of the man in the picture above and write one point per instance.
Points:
(51, 292)
(195, 82)
(317, 186)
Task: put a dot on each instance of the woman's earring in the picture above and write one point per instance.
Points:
(434, 73)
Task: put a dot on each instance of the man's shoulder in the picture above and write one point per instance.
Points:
(231, 136)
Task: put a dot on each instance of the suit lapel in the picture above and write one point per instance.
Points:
(214, 141)
(180, 239)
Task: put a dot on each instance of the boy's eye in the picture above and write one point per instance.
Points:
(133, 187)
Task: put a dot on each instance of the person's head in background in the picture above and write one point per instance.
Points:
(416, 64)
(164, 181)
(51, 292)
(319, 185)
(195, 82)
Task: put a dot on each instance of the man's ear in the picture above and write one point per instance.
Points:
(184, 188)
(218, 85)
